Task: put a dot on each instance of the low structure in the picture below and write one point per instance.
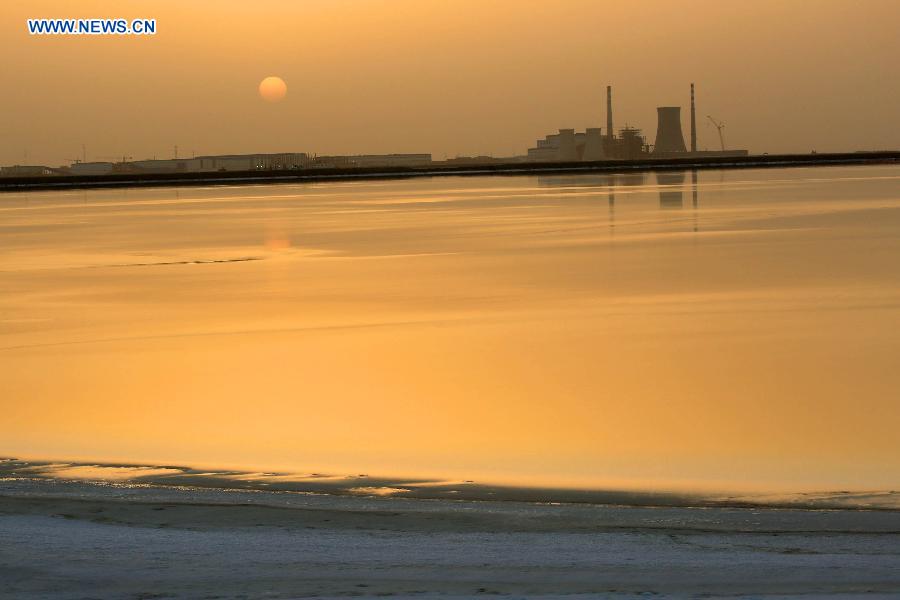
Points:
(249, 162)
(590, 145)
(28, 171)
(390, 160)
(91, 168)
(222, 162)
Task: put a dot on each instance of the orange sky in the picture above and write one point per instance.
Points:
(460, 77)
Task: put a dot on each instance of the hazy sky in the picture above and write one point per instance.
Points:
(444, 76)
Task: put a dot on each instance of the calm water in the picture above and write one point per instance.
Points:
(719, 329)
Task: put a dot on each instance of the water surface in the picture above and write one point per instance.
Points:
(683, 330)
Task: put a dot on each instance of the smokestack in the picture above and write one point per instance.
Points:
(693, 122)
(668, 130)
(609, 127)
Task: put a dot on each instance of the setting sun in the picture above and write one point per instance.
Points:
(272, 89)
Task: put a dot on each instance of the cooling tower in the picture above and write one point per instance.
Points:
(593, 144)
(668, 130)
(567, 151)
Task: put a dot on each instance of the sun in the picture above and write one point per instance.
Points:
(272, 89)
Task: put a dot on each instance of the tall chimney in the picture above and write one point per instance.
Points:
(693, 122)
(609, 128)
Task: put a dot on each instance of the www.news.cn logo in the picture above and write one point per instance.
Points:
(91, 26)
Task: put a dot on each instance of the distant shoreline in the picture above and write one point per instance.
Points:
(44, 475)
(67, 182)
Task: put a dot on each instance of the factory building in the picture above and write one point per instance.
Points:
(249, 162)
(591, 144)
(91, 168)
(569, 146)
(198, 164)
(390, 160)
(370, 161)
(28, 171)
(630, 144)
(481, 160)
(223, 162)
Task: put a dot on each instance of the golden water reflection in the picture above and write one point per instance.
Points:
(576, 330)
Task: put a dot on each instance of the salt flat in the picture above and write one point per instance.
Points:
(51, 557)
(170, 543)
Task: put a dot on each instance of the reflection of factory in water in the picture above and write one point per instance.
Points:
(671, 186)
(593, 180)
(629, 143)
(671, 194)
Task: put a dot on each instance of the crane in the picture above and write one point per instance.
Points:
(720, 126)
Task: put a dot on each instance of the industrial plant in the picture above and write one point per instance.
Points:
(629, 143)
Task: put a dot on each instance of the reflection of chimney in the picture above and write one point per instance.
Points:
(668, 130)
(567, 151)
(609, 127)
(693, 122)
(694, 186)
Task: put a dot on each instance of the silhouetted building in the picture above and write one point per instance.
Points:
(593, 145)
(481, 160)
(567, 149)
(91, 168)
(630, 144)
(390, 160)
(249, 162)
(330, 162)
(569, 146)
(28, 171)
(197, 164)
